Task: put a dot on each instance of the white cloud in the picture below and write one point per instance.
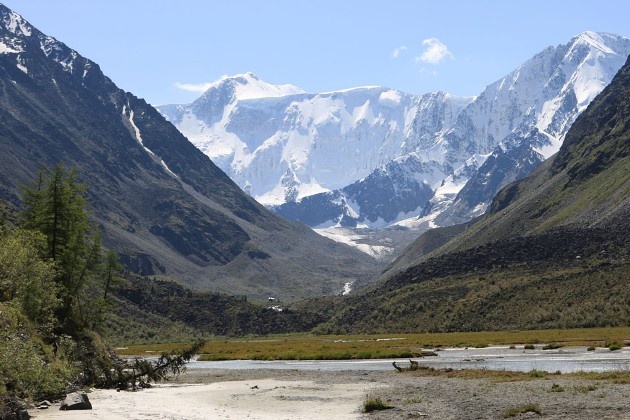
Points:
(193, 87)
(434, 51)
(398, 50)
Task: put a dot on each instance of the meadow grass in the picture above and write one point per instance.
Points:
(337, 347)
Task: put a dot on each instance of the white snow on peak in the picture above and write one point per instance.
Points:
(352, 89)
(287, 144)
(593, 39)
(249, 86)
(16, 24)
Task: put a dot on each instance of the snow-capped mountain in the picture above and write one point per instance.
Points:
(521, 120)
(290, 145)
(375, 157)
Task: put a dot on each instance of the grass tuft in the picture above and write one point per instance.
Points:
(527, 408)
(552, 346)
(374, 404)
(535, 373)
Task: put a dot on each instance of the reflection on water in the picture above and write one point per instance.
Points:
(565, 360)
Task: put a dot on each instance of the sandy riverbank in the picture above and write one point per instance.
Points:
(274, 394)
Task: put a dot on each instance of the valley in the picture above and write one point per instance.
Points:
(264, 222)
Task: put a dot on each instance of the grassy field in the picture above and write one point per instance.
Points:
(336, 347)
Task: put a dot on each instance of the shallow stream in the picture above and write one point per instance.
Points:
(565, 360)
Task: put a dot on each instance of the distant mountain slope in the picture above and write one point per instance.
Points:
(553, 252)
(161, 202)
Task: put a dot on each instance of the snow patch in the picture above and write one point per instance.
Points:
(348, 237)
(347, 288)
(6, 49)
(136, 129)
(17, 25)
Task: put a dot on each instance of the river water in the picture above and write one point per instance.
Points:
(565, 360)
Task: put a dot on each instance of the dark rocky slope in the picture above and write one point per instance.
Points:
(162, 203)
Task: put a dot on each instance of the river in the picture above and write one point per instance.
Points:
(564, 360)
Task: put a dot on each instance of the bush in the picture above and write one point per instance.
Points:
(30, 369)
(374, 404)
(613, 345)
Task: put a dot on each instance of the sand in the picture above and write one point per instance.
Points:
(288, 394)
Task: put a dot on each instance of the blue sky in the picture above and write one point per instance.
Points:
(160, 50)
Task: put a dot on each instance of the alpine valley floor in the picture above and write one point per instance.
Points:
(291, 394)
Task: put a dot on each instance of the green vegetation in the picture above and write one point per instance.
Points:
(552, 346)
(55, 290)
(56, 209)
(613, 345)
(535, 373)
(480, 293)
(527, 408)
(54, 285)
(374, 404)
(30, 369)
(331, 347)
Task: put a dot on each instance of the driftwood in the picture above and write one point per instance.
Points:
(413, 365)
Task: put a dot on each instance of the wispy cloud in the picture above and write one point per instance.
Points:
(432, 72)
(435, 51)
(193, 87)
(399, 50)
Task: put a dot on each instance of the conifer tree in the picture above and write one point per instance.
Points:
(56, 207)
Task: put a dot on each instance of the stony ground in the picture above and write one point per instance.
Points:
(415, 395)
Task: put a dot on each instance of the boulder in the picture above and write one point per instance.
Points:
(76, 401)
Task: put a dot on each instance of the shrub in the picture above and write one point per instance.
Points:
(374, 404)
(530, 347)
(613, 345)
(29, 367)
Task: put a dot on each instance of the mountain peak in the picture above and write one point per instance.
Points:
(601, 41)
(250, 86)
(13, 22)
